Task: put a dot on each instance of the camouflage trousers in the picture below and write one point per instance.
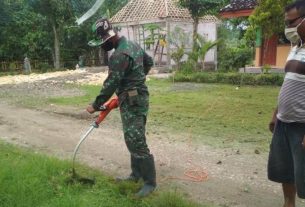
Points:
(133, 115)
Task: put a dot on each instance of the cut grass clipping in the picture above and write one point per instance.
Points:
(30, 179)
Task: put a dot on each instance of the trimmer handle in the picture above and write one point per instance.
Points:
(106, 108)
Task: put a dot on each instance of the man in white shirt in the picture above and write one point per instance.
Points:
(286, 163)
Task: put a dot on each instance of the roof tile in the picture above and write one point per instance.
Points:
(237, 5)
(141, 10)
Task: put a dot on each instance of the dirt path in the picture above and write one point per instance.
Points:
(235, 180)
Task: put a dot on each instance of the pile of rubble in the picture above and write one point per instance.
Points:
(71, 76)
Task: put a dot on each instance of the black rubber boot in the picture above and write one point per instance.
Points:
(135, 171)
(148, 171)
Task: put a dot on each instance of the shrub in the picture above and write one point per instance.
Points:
(266, 68)
(230, 78)
(186, 68)
(44, 67)
(231, 58)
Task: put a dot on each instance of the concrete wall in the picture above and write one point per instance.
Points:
(281, 56)
(128, 32)
(256, 62)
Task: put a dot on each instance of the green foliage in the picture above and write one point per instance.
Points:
(55, 12)
(199, 8)
(154, 30)
(3, 13)
(200, 49)
(23, 34)
(269, 16)
(44, 67)
(180, 40)
(186, 68)
(232, 57)
(12, 66)
(113, 6)
(4, 19)
(266, 68)
(177, 56)
(27, 27)
(233, 30)
(193, 58)
(234, 52)
(231, 78)
(203, 47)
(12, 73)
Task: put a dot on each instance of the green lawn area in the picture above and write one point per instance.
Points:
(214, 114)
(30, 179)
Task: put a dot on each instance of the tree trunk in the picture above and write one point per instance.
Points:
(202, 60)
(56, 48)
(195, 31)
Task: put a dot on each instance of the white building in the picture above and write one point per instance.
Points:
(140, 18)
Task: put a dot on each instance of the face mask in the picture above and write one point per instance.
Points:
(292, 34)
(107, 46)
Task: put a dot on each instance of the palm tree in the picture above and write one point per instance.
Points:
(202, 48)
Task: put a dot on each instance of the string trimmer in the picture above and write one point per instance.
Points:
(105, 109)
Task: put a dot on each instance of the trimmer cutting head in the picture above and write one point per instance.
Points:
(76, 178)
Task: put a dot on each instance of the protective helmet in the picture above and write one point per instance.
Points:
(103, 29)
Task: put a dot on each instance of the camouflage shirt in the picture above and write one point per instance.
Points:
(128, 67)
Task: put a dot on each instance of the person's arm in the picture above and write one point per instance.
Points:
(117, 67)
(273, 120)
(147, 63)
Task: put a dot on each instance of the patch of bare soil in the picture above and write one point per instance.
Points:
(234, 179)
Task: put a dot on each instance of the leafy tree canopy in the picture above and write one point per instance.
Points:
(27, 27)
(268, 16)
(22, 33)
(199, 8)
(54, 10)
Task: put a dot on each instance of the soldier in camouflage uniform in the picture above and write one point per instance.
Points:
(128, 67)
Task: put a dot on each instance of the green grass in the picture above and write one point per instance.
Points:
(215, 114)
(218, 115)
(91, 93)
(9, 73)
(29, 179)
